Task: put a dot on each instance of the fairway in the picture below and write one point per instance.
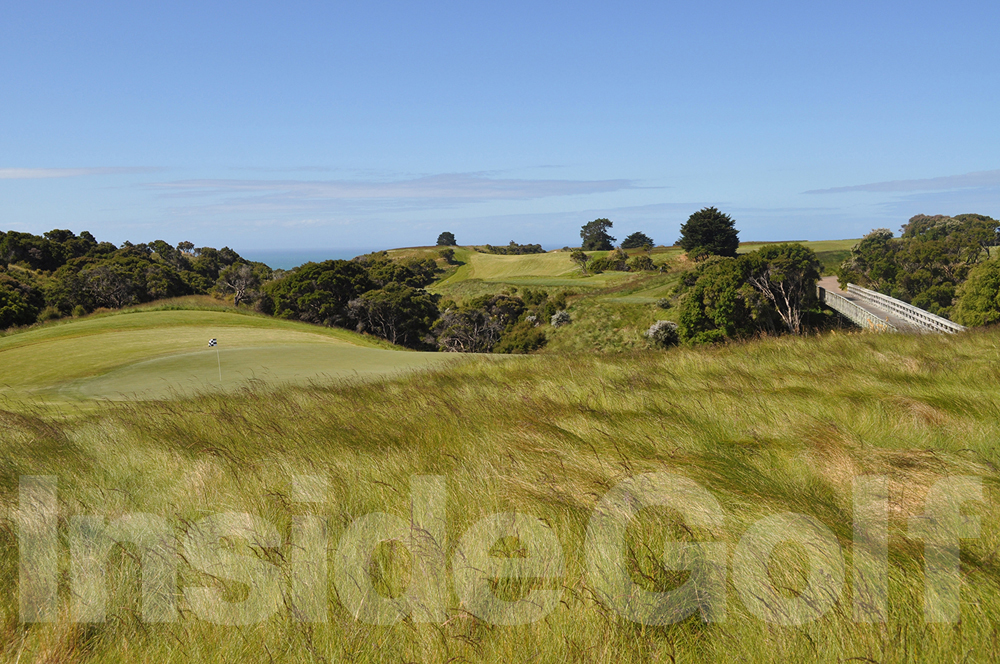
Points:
(153, 354)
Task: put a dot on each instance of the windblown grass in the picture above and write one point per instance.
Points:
(780, 425)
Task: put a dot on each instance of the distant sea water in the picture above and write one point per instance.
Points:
(287, 259)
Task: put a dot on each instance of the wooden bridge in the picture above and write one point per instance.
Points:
(874, 311)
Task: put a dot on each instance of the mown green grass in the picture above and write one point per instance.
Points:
(155, 350)
(771, 426)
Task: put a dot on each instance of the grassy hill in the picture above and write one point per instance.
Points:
(611, 311)
(780, 425)
(162, 349)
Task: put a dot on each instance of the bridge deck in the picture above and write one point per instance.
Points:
(830, 284)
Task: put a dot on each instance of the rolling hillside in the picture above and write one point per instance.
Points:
(154, 352)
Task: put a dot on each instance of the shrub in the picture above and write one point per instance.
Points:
(522, 338)
(560, 318)
(641, 263)
(512, 249)
(49, 313)
(664, 303)
(663, 333)
(79, 311)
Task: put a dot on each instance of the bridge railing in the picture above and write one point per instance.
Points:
(914, 315)
(857, 315)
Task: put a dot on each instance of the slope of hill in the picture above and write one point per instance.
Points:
(156, 351)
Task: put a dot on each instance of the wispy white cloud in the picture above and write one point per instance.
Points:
(966, 181)
(445, 187)
(47, 173)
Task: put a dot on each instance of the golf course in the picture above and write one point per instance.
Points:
(149, 354)
(127, 411)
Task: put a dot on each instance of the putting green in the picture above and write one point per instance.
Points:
(190, 373)
(156, 354)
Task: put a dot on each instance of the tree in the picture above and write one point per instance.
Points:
(399, 314)
(979, 297)
(786, 274)
(709, 232)
(19, 302)
(446, 239)
(595, 235)
(319, 292)
(637, 240)
(238, 279)
(580, 259)
(721, 304)
(448, 254)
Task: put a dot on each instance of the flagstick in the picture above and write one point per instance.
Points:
(220, 362)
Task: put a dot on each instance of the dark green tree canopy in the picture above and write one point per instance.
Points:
(709, 232)
(927, 264)
(979, 297)
(720, 303)
(595, 235)
(786, 274)
(446, 239)
(637, 240)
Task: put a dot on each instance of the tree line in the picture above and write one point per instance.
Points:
(927, 265)
(61, 274)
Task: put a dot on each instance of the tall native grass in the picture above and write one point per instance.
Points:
(779, 425)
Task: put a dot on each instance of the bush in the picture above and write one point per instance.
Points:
(663, 333)
(49, 313)
(19, 302)
(664, 303)
(522, 338)
(512, 249)
(79, 311)
(560, 318)
(641, 263)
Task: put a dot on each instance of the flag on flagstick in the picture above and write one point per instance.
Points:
(212, 343)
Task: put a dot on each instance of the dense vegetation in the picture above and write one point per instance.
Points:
(62, 274)
(927, 263)
(767, 291)
(512, 249)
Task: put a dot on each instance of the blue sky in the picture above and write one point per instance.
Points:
(373, 125)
